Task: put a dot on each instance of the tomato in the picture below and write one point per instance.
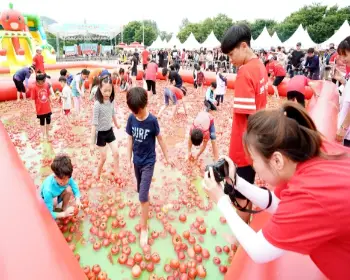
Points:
(122, 223)
(216, 260)
(138, 258)
(174, 264)
(115, 223)
(222, 220)
(213, 231)
(177, 239)
(155, 258)
(155, 234)
(167, 268)
(223, 269)
(77, 256)
(200, 220)
(123, 259)
(143, 265)
(201, 271)
(69, 238)
(126, 250)
(136, 271)
(196, 225)
(96, 269)
(138, 228)
(191, 253)
(130, 262)
(182, 218)
(86, 269)
(199, 258)
(226, 249)
(197, 248)
(150, 267)
(184, 247)
(192, 273)
(218, 249)
(132, 238)
(183, 276)
(192, 240)
(181, 255)
(146, 249)
(102, 276)
(202, 229)
(115, 250)
(105, 242)
(205, 254)
(97, 245)
(148, 257)
(101, 234)
(153, 277)
(183, 267)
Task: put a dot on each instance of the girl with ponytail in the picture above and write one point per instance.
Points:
(310, 203)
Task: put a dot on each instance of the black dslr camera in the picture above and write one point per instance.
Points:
(220, 170)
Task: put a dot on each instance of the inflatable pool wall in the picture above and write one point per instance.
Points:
(20, 35)
(31, 245)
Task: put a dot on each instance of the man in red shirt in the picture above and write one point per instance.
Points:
(38, 61)
(145, 55)
(250, 95)
(276, 71)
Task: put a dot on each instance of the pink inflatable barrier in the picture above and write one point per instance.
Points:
(31, 245)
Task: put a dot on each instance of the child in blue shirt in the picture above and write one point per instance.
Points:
(210, 102)
(59, 187)
(143, 129)
(69, 77)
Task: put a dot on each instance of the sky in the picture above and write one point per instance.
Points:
(167, 14)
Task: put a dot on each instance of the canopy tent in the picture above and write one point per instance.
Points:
(64, 31)
(338, 36)
(165, 42)
(264, 41)
(211, 42)
(174, 41)
(191, 43)
(277, 41)
(157, 44)
(300, 36)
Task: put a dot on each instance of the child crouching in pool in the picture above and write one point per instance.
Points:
(175, 95)
(102, 129)
(143, 129)
(59, 187)
(41, 93)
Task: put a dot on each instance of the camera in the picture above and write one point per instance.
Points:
(220, 170)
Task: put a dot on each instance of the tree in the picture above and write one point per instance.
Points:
(221, 23)
(130, 31)
(165, 35)
(184, 23)
(190, 28)
(150, 35)
(258, 25)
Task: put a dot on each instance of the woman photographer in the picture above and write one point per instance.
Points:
(310, 203)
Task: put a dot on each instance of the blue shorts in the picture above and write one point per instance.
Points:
(212, 132)
(144, 176)
(59, 198)
(168, 94)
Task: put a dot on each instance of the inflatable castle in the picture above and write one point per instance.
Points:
(20, 35)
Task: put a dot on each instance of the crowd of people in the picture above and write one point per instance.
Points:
(307, 174)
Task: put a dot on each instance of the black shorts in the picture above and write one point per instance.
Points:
(144, 67)
(151, 85)
(19, 85)
(133, 72)
(278, 80)
(248, 174)
(44, 118)
(104, 137)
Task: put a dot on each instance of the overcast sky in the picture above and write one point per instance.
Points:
(167, 14)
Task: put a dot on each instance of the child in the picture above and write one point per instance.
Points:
(200, 80)
(124, 80)
(276, 71)
(94, 87)
(38, 61)
(143, 129)
(209, 100)
(69, 77)
(40, 93)
(174, 94)
(59, 187)
(296, 89)
(66, 96)
(221, 83)
(201, 131)
(195, 75)
(78, 89)
(102, 130)
(172, 76)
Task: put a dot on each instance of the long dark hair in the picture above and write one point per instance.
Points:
(104, 80)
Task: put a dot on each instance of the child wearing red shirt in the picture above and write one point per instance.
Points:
(175, 95)
(250, 96)
(38, 61)
(40, 93)
(276, 72)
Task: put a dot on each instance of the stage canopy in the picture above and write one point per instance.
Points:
(87, 31)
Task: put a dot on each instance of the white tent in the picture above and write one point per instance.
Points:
(191, 43)
(277, 41)
(65, 30)
(211, 42)
(264, 41)
(300, 36)
(338, 36)
(165, 42)
(157, 44)
(174, 41)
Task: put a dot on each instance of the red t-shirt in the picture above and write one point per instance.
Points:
(250, 96)
(298, 83)
(178, 92)
(145, 55)
(313, 216)
(41, 97)
(38, 61)
(203, 121)
(333, 57)
(151, 71)
(276, 69)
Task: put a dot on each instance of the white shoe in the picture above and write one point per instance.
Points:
(144, 238)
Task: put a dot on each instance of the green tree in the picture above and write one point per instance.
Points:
(184, 23)
(186, 31)
(258, 25)
(150, 35)
(221, 23)
(165, 35)
(130, 31)
(205, 28)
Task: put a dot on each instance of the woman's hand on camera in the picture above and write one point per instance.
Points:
(211, 187)
(231, 170)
